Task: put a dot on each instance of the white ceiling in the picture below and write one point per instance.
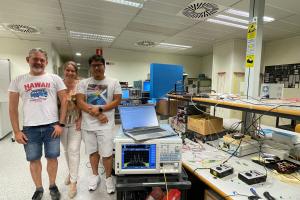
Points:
(157, 21)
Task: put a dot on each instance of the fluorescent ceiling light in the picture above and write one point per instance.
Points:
(246, 14)
(2, 28)
(226, 23)
(237, 12)
(78, 64)
(268, 19)
(91, 36)
(243, 21)
(173, 46)
(78, 54)
(126, 3)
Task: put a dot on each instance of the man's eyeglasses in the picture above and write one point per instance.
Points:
(97, 65)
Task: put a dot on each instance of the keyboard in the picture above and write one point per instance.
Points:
(140, 132)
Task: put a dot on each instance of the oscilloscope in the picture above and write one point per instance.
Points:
(155, 156)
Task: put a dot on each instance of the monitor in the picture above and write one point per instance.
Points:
(125, 93)
(146, 86)
(271, 90)
(138, 116)
(139, 156)
(138, 84)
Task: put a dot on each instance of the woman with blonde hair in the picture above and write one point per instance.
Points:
(71, 137)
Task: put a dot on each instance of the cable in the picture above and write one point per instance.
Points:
(295, 177)
(200, 168)
(166, 184)
(239, 145)
(197, 107)
(246, 130)
(233, 141)
(261, 103)
(264, 161)
(248, 83)
(233, 154)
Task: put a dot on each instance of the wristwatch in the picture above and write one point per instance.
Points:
(100, 110)
(61, 125)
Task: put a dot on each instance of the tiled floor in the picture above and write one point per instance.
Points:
(16, 182)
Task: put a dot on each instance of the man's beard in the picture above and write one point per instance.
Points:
(37, 69)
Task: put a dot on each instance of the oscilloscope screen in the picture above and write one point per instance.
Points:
(139, 156)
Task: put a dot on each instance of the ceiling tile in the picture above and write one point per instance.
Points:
(287, 5)
(281, 25)
(293, 19)
(156, 21)
(152, 29)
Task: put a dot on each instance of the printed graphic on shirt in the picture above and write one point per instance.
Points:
(38, 90)
(97, 94)
(30, 86)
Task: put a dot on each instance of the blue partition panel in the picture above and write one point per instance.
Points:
(163, 78)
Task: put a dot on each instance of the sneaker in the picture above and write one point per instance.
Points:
(38, 194)
(54, 193)
(110, 186)
(94, 181)
(67, 180)
(72, 190)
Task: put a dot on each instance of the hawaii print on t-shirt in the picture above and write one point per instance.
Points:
(38, 90)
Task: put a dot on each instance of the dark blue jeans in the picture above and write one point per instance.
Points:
(39, 136)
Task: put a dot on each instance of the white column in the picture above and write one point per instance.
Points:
(252, 75)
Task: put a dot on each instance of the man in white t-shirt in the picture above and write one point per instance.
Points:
(41, 123)
(98, 97)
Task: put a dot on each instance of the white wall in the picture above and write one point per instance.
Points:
(283, 51)
(132, 65)
(239, 56)
(16, 50)
(222, 61)
(56, 60)
(207, 63)
(228, 57)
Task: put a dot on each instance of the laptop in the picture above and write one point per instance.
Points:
(140, 123)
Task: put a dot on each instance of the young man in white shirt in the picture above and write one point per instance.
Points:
(97, 97)
(41, 123)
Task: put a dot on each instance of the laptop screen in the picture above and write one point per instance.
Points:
(138, 117)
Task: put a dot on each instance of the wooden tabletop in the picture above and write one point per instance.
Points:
(271, 107)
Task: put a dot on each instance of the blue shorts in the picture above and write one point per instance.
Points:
(37, 136)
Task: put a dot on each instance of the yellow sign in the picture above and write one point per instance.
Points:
(250, 61)
(251, 39)
(251, 34)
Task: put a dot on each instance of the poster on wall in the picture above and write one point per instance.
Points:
(287, 74)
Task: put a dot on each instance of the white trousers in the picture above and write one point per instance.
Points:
(71, 140)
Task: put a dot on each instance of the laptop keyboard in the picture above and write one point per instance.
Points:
(155, 130)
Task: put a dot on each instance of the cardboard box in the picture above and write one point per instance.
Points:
(205, 124)
(162, 107)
